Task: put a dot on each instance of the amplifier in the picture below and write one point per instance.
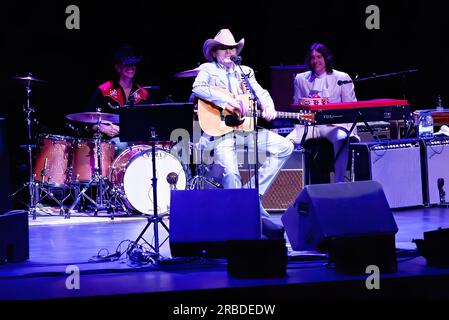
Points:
(435, 157)
(285, 187)
(381, 130)
(282, 84)
(396, 165)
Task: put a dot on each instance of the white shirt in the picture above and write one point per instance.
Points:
(307, 84)
(213, 74)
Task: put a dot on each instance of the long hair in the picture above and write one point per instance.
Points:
(325, 52)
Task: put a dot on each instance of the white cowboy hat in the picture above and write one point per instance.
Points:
(223, 38)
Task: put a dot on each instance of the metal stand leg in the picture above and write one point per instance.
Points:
(34, 187)
(98, 179)
(156, 218)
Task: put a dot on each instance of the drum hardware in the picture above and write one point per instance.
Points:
(187, 73)
(116, 197)
(199, 180)
(101, 182)
(37, 190)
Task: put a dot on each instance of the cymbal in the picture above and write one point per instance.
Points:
(93, 117)
(187, 73)
(29, 79)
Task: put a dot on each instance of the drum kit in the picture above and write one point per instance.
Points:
(82, 164)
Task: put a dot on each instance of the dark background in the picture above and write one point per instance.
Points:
(170, 35)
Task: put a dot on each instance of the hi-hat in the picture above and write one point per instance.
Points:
(93, 117)
(187, 73)
(28, 79)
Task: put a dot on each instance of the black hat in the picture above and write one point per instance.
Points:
(127, 55)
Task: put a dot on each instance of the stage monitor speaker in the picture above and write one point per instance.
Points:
(14, 237)
(287, 184)
(396, 165)
(436, 166)
(201, 221)
(351, 220)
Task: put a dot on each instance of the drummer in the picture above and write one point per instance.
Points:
(113, 94)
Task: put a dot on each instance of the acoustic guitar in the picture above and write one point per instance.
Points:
(216, 122)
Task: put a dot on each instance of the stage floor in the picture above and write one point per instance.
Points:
(58, 244)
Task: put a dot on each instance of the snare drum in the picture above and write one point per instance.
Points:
(132, 171)
(52, 160)
(85, 159)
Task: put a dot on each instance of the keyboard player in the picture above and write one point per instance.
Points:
(321, 80)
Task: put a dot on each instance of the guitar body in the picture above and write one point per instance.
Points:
(210, 118)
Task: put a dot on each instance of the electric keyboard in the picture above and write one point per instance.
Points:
(370, 110)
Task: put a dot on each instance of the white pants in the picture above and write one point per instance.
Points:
(336, 135)
(274, 151)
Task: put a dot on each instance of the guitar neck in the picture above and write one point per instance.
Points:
(279, 114)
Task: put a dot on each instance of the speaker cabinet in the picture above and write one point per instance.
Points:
(282, 84)
(396, 165)
(201, 221)
(285, 187)
(381, 130)
(14, 237)
(352, 221)
(436, 166)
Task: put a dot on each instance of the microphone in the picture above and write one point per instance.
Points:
(236, 59)
(172, 179)
(342, 82)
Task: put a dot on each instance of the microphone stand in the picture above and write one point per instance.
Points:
(376, 76)
(254, 98)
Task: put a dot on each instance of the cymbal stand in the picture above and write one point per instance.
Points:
(98, 179)
(34, 187)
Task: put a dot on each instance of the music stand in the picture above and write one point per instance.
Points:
(155, 122)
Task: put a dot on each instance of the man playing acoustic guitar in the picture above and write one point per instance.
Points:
(220, 82)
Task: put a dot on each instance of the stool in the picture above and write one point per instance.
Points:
(319, 160)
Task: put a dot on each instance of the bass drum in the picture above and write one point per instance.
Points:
(132, 171)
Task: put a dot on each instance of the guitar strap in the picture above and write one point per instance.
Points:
(242, 84)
